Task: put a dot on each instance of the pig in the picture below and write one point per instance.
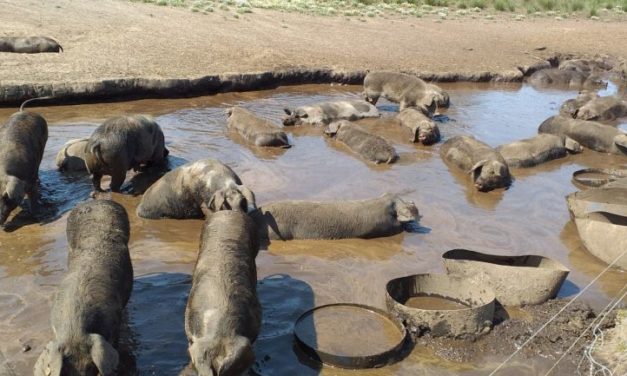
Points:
(182, 192)
(586, 66)
(326, 112)
(122, 143)
(29, 45)
(370, 218)
(536, 150)
(589, 134)
(486, 165)
(367, 145)
(223, 313)
(441, 97)
(571, 106)
(423, 129)
(88, 306)
(563, 77)
(71, 157)
(405, 89)
(255, 130)
(603, 109)
(22, 141)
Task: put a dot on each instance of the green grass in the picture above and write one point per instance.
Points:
(384, 8)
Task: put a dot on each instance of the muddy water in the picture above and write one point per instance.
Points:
(530, 217)
(433, 302)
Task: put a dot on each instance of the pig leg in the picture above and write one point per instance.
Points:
(96, 177)
(117, 179)
(33, 198)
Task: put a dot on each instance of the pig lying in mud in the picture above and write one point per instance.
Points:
(88, 306)
(123, 143)
(255, 130)
(486, 165)
(182, 192)
(423, 129)
(368, 145)
(405, 89)
(71, 157)
(586, 66)
(562, 77)
(589, 134)
(536, 150)
(371, 218)
(22, 141)
(326, 112)
(29, 45)
(602, 109)
(571, 106)
(223, 314)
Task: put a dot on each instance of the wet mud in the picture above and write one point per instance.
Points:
(530, 217)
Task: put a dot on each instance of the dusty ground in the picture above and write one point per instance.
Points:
(117, 39)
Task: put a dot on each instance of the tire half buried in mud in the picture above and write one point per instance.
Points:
(516, 280)
(352, 336)
(461, 308)
(605, 236)
(597, 177)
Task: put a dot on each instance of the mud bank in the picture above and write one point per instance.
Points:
(136, 88)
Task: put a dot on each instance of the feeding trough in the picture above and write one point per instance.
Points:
(605, 199)
(516, 280)
(441, 305)
(351, 336)
(605, 236)
(597, 177)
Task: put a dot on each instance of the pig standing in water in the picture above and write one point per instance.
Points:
(326, 112)
(22, 141)
(88, 306)
(486, 165)
(536, 150)
(423, 129)
(405, 89)
(371, 218)
(255, 130)
(369, 146)
(223, 314)
(29, 45)
(72, 156)
(589, 134)
(182, 192)
(122, 143)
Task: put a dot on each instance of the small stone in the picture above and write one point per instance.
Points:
(26, 348)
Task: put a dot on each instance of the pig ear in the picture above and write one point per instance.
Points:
(333, 128)
(217, 201)
(476, 169)
(572, 145)
(15, 189)
(238, 355)
(287, 111)
(50, 362)
(248, 195)
(104, 355)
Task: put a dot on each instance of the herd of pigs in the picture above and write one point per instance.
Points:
(223, 314)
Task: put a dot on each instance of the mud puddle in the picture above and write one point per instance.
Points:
(529, 218)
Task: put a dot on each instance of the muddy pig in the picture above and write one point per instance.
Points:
(562, 77)
(123, 143)
(22, 141)
(405, 89)
(589, 134)
(326, 112)
(368, 145)
(223, 314)
(88, 306)
(72, 156)
(371, 218)
(182, 192)
(603, 109)
(486, 165)
(536, 150)
(29, 45)
(255, 130)
(441, 97)
(423, 129)
(570, 107)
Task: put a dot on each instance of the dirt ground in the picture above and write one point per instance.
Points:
(119, 39)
